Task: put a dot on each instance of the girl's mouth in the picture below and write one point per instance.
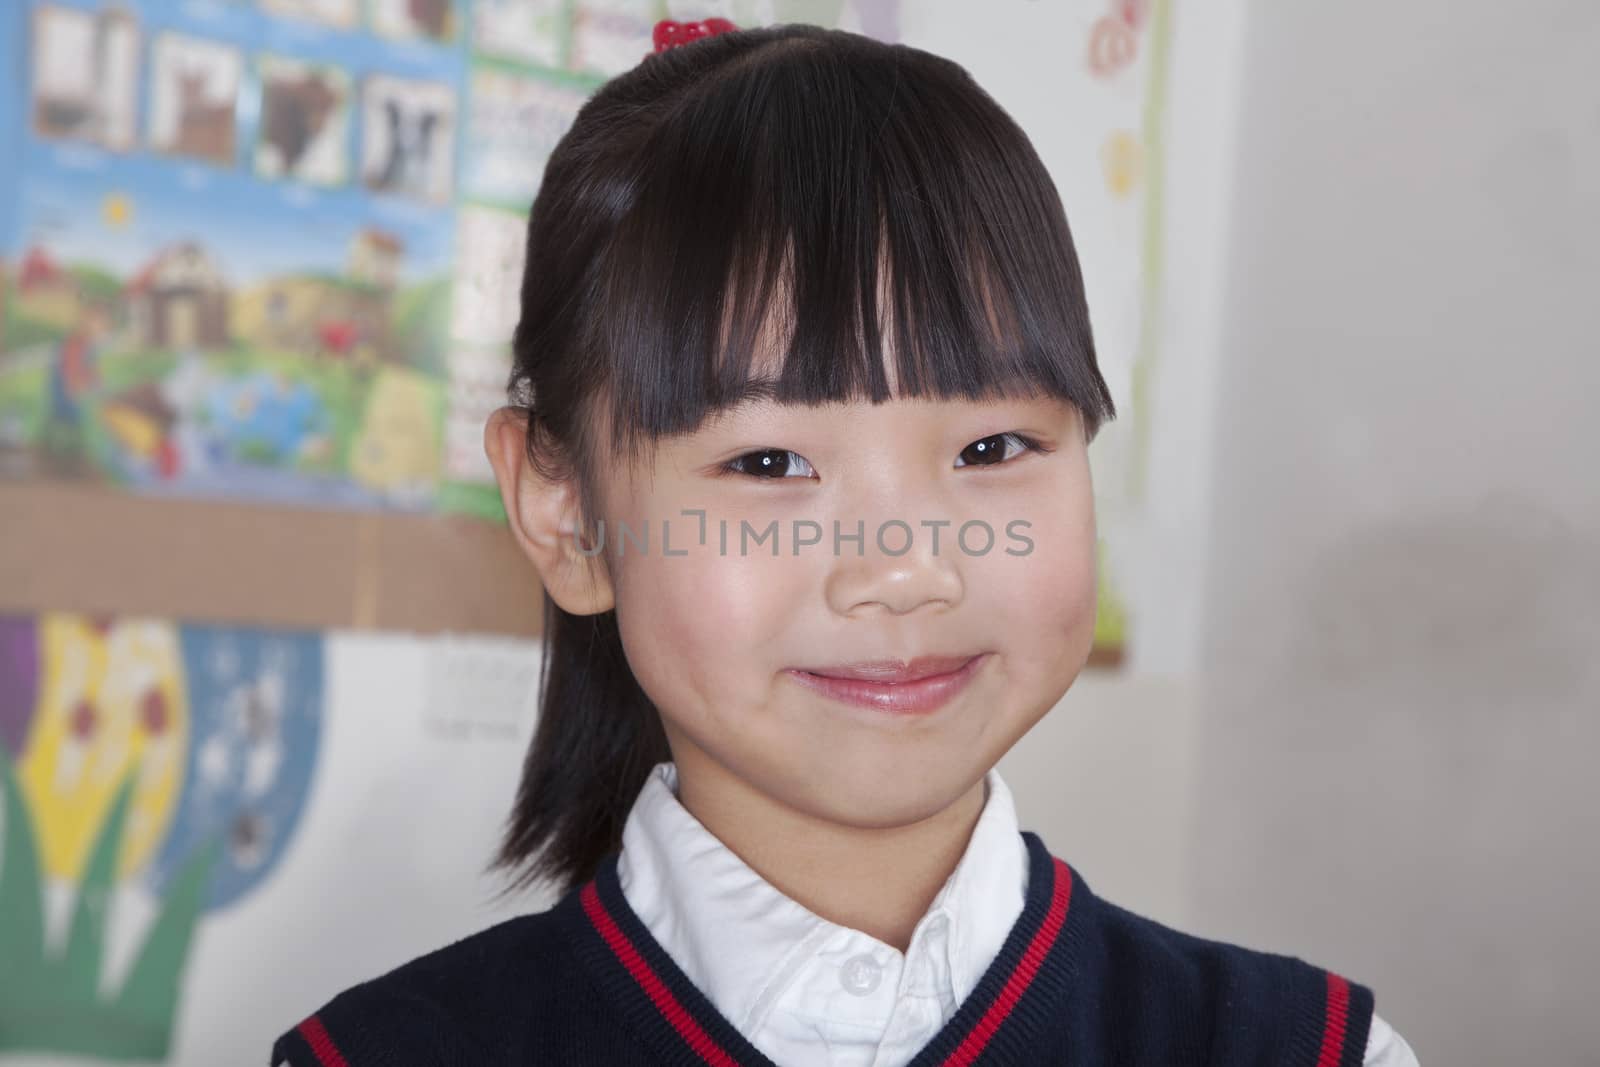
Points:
(920, 686)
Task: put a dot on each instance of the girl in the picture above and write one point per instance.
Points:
(804, 384)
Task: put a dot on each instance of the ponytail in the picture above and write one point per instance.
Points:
(597, 737)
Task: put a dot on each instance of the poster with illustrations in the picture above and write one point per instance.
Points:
(1119, 93)
(143, 763)
(270, 249)
(202, 828)
(226, 255)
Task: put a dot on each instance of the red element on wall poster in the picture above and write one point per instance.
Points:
(1133, 12)
(1113, 44)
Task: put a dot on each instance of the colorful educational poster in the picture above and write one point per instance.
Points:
(227, 249)
(147, 761)
(240, 240)
(207, 831)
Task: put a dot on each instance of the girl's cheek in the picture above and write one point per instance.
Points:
(1042, 603)
(705, 633)
(730, 600)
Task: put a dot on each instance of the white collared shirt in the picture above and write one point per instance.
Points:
(805, 990)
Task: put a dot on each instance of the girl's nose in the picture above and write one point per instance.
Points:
(898, 569)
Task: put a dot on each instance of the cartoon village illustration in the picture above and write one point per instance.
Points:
(170, 375)
(189, 365)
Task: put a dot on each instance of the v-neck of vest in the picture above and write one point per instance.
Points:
(682, 1028)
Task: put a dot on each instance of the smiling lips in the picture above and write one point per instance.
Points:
(922, 685)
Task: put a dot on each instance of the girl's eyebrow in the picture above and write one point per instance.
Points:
(755, 392)
(756, 388)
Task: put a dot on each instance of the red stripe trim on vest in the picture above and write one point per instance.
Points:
(1022, 976)
(322, 1045)
(1335, 1019)
(667, 1004)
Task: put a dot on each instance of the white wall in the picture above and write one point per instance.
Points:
(1362, 723)
(1397, 726)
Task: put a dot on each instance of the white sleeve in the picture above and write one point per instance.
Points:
(1386, 1048)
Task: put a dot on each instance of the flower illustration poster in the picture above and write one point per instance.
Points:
(172, 760)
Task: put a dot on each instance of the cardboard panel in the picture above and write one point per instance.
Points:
(67, 547)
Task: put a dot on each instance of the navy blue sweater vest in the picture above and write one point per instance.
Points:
(1079, 981)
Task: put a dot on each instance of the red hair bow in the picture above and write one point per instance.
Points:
(670, 34)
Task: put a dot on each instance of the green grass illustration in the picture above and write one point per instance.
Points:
(51, 1002)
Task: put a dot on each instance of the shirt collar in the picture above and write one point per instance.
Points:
(698, 898)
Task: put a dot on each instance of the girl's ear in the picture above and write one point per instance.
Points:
(544, 516)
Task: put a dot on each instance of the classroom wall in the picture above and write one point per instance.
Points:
(1394, 762)
(1366, 729)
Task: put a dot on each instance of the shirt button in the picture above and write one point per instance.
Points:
(860, 974)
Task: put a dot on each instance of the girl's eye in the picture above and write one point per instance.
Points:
(993, 450)
(776, 463)
(770, 463)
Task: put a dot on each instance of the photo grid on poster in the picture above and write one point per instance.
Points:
(305, 121)
(408, 145)
(91, 101)
(194, 98)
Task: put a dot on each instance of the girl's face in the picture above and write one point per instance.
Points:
(714, 628)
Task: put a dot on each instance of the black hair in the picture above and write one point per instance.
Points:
(836, 192)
